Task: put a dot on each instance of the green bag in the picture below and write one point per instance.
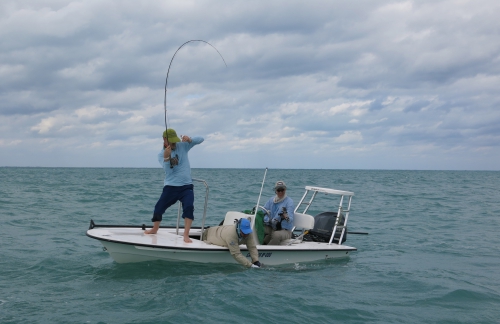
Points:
(259, 224)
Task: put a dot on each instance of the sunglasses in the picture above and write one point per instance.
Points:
(280, 190)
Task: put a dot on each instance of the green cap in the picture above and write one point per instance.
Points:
(171, 136)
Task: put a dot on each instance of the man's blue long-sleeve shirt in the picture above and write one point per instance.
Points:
(180, 174)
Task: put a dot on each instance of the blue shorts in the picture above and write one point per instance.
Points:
(171, 195)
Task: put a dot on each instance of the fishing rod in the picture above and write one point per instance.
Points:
(166, 80)
(260, 194)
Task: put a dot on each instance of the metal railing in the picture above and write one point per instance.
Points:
(179, 213)
(343, 208)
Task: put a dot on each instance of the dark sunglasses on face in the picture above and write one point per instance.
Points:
(280, 190)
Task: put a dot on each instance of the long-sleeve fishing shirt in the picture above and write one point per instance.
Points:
(227, 236)
(276, 208)
(180, 174)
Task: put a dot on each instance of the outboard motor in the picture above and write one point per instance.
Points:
(323, 227)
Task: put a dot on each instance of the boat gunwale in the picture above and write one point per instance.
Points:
(219, 248)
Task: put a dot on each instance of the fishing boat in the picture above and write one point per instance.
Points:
(314, 238)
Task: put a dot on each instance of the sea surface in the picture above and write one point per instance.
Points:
(432, 254)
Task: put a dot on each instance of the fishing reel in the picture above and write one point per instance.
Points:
(174, 161)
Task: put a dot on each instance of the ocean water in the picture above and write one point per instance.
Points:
(432, 254)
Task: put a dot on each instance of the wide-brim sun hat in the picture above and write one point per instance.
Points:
(245, 227)
(171, 136)
(280, 184)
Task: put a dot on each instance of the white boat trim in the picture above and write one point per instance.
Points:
(127, 245)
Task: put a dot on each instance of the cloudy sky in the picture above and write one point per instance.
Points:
(308, 84)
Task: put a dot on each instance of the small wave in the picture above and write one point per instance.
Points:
(460, 297)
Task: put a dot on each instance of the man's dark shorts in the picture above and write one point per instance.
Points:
(171, 195)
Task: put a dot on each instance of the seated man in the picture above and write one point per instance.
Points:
(231, 236)
(279, 216)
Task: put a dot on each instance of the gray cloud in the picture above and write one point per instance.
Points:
(345, 84)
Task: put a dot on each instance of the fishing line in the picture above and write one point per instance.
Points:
(166, 81)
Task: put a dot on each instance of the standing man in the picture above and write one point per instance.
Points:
(279, 216)
(231, 236)
(178, 184)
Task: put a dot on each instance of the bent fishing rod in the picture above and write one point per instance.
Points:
(166, 80)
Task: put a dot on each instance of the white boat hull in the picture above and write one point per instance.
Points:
(126, 245)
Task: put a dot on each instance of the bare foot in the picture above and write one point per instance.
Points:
(156, 227)
(187, 239)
